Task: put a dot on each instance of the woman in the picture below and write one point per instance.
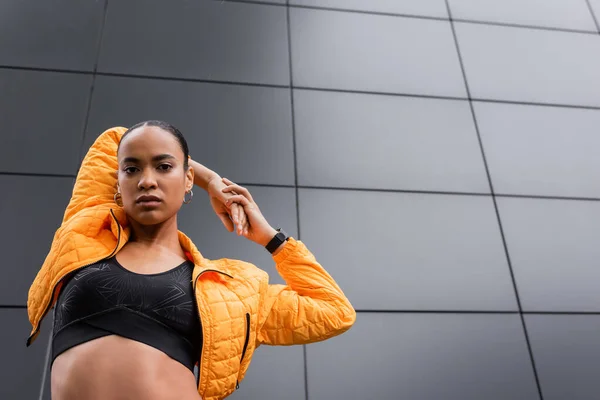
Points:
(138, 306)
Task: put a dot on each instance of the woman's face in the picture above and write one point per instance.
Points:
(151, 177)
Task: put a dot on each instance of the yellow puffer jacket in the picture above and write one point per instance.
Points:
(238, 307)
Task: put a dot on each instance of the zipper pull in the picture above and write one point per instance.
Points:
(237, 385)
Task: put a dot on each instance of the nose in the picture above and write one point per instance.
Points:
(147, 180)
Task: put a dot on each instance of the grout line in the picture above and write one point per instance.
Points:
(191, 80)
(533, 103)
(485, 312)
(376, 93)
(355, 189)
(524, 26)
(593, 15)
(89, 106)
(35, 174)
(293, 121)
(499, 219)
(433, 18)
(364, 12)
(260, 3)
(307, 88)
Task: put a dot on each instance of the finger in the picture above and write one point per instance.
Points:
(240, 189)
(238, 198)
(244, 221)
(235, 212)
(240, 220)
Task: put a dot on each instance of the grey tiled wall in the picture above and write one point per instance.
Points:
(439, 157)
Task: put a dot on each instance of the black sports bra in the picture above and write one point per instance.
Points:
(156, 309)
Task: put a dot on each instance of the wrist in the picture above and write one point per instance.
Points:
(203, 176)
(267, 236)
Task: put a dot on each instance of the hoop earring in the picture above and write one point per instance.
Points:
(188, 201)
(118, 199)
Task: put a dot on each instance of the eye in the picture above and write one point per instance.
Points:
(165, 167)
(128, 170)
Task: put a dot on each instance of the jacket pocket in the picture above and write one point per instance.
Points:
(246, 341)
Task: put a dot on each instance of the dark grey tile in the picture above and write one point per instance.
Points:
(430, 8)
(33, 208)
(553, 246)
(21, 367)
(242, 132)
(536, 150)
(354, 51)
(565, 14)
(50, 34)
(43, 117)
(424, 357)
(530, 65)
(566, 349)
(387, 142)
(404, 251)
(205, 39)
(276, 372)
(199, 221)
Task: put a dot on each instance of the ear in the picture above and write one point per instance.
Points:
(189, 179)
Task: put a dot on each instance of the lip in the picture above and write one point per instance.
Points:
(148, 200)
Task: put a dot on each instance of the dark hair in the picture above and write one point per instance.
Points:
(166, 127)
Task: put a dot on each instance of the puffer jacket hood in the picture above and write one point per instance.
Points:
(310, 307)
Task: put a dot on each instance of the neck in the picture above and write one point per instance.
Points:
(163, 235)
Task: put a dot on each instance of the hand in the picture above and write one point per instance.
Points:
(258, 230)
(228, 215)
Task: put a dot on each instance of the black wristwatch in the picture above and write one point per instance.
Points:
(279, 238)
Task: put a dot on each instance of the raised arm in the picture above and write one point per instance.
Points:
(96, 181)
(311, 306)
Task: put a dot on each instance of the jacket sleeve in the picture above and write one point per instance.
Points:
(310, 308)
(97, 179)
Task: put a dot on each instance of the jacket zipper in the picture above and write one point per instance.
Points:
(237, 383)
(202, 325)
(37, 329)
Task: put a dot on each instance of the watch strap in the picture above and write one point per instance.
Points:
(277, 240)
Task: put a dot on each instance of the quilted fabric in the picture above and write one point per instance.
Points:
(232, 295)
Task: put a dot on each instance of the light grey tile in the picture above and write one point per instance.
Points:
(275, 373)
(566, 349)
(387, 142)
(241, 132)
(199, 221)
(211, 40)
(538, 150)
(430, 8)
(354, 51)
(50, 34)
(424, 357)
(42, 118)
(404, 251)
(530, 65)
(566, 14)
(21, 367)
(553, 246)
(33, 208)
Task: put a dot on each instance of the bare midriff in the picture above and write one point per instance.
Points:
(117, 368)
